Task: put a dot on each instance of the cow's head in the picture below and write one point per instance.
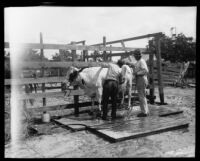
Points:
(73, 76)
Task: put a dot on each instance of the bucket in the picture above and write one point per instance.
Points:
(45, 117)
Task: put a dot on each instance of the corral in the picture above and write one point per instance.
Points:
(158, 76)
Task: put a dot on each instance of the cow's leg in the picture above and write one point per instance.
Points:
(99, 99)
(123, 90)
(129, 94)
(122, 101)
(92, 107)
(129, 98)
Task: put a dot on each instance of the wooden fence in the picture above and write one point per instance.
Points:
(46, 65)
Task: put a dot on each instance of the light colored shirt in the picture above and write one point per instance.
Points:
(141, 69)
(114, 71)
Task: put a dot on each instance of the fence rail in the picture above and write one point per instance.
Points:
(78, 64)
(34, 80)
(47, 94)
(67, 47)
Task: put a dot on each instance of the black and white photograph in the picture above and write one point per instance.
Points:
(100, 81)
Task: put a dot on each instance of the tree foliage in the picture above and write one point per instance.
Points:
(33, 55)
(181, 49)
(63, 55)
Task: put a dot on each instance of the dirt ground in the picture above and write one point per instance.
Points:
(58, 142)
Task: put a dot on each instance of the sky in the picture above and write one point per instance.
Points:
(61, 25)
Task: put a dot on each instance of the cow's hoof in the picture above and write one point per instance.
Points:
(91, 113)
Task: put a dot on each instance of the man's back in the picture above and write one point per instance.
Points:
(113, 72)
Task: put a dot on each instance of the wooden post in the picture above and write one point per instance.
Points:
(110, 58)
(42, 57)
(151, 72)
(95, 56)
(84, 52)
(159, 66)
(76, 97)
(123, 45)
(104, 52)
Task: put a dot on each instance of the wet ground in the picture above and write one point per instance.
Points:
(59, 142)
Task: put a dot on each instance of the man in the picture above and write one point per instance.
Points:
(141, 71)
(110, 87)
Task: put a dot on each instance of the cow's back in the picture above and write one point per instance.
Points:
(127, 71)
(94, 76)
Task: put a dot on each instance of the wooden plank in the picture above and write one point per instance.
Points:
(78, 42)
(34, 80)
(126, 54)
(121, 129)
(58, 107)
(48, 94)
(78, 125)
(143, 128)
(173, 70)
(155, 111)
(136, 122)
(39, 65)
(167, 73)
(130, 39)
(79, 92)
(167, 80)
(165, 83)
(167, 77)
(68, 47)
(56, 80)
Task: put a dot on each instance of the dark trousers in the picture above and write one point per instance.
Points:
(110, 89)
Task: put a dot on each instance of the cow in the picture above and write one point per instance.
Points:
(90, 80)
(127, 76)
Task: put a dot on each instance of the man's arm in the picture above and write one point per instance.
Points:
(131, 64)
(143, 70)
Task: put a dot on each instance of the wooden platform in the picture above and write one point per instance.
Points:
(161, 119)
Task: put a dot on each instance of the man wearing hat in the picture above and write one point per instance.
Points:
(141, 71)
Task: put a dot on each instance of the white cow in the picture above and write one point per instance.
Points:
(90, 80)
(127, 75)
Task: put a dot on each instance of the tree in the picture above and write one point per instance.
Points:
(63, 55)
(185, 48)
(33, 55)
(179, 50)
